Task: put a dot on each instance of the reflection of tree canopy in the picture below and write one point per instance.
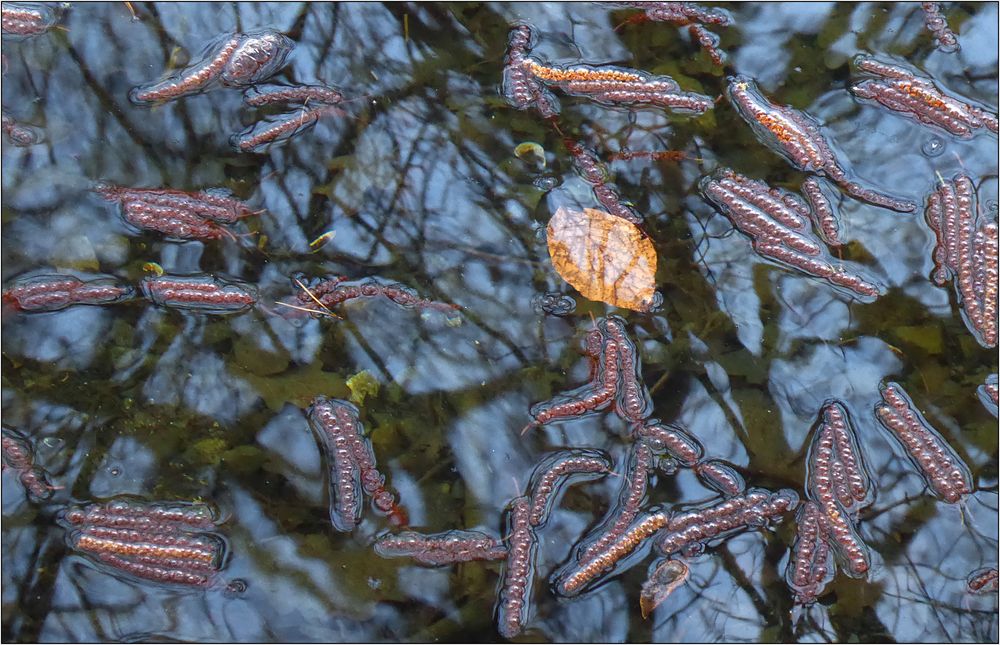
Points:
(420, 185)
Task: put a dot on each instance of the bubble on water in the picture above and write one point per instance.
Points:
(933, 146)
(554, 303)
(374, 583)
(236, 587)
(545, 183)
(669, 466)
(992, 206)
(115, 471)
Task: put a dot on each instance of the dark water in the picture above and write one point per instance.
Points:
(420, 184)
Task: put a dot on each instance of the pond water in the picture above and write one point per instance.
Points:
(417, 181)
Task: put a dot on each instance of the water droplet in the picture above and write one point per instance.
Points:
(52, 442)
(115, 471)
(933, 146)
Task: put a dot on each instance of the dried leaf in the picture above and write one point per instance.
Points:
(667, 577)
(603, 257)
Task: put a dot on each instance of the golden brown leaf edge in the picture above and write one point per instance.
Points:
(604, 257)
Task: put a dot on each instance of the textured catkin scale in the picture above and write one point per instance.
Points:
(261, 95)
(164, 543)
(776, 222)
(632, 402)
(193, 79)
(577, 577)
(350, 462)
(281, 128)
(680, 532)
(439, 549)
(941, 467)
(174, 222)
(205, 294)
(693, 17)
(720, 476)
(671, 439)
(983, 581)
(825, 219)
(41, 293)
(836, 467)
(592, 397)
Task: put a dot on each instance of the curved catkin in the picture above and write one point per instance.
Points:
(721, 476)
(797, 137)
(618, 86)
(943, 470)
(630, 499)
(190, 80)
(632, 402)
(944, 38)
(555, 472)
(520, 88)
(517, 577)
(966, 251)
(19, 456)
(350, 461)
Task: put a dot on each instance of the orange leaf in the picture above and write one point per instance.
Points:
(603, 257)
